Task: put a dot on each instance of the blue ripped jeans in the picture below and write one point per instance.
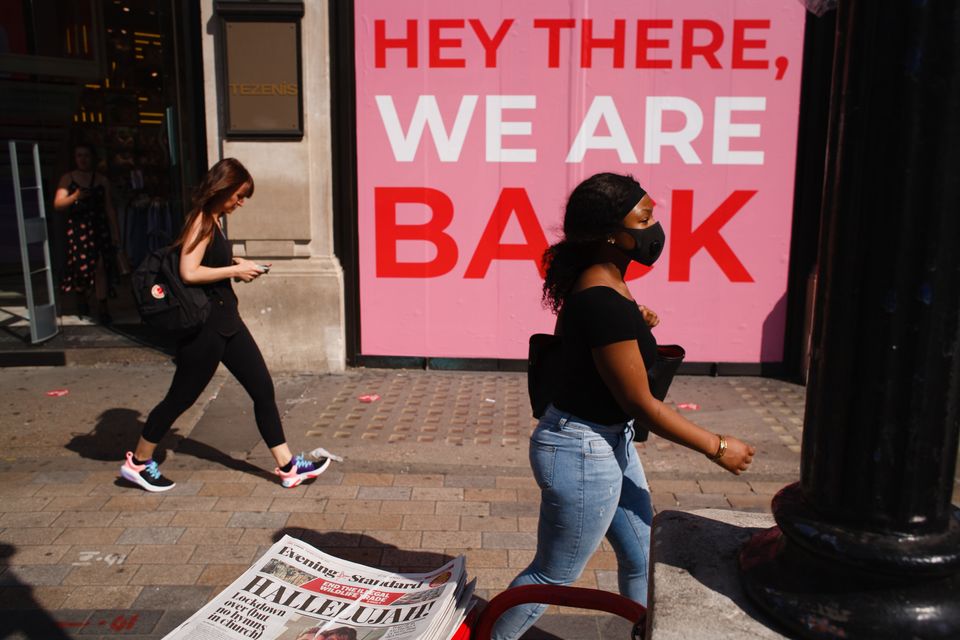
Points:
(591, 485)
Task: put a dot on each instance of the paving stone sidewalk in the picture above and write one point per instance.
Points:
(435, 467)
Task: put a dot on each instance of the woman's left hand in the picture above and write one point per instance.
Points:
(737, 455)
(246, 270)
(650, 317)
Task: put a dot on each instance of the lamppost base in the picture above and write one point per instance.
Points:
(917, 555)
(816, 598)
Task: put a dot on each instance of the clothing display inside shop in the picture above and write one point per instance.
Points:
(124, 117)
(109, 95)
(148, 224)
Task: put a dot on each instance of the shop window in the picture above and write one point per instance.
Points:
(51, 37)
(128, 116)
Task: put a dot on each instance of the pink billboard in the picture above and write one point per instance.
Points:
(476, 119)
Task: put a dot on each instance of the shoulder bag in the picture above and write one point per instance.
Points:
(544, 360)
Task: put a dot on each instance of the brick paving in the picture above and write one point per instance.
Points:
(435, 468)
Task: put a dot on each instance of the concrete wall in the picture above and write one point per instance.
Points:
(296, 311)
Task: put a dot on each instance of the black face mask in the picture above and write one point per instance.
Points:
(649, 244)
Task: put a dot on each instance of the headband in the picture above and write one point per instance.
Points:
(634, 196)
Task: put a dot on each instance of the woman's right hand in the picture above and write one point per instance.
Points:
(737, 457)
(246, 270)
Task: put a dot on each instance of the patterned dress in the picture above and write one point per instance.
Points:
(88, 238)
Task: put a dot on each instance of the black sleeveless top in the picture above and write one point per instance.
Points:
(94, 203)
(224, 314)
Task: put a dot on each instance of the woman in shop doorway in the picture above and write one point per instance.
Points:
(206, 260)
(582, 452)
(92, 234)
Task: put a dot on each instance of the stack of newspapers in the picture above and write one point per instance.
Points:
(297, 592)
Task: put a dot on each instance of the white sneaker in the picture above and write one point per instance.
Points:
(146, 475)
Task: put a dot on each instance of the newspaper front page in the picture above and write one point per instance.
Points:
(297, 592)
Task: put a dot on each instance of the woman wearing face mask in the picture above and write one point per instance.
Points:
(582, 453)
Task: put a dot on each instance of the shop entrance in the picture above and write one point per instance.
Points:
(122, 80)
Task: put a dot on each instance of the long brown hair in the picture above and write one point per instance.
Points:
(217, 186)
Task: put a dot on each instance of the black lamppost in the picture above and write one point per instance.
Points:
(867, 543)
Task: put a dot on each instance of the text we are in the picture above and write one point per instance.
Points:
(669, 122)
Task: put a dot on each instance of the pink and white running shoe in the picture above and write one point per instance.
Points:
(301, 470)
(146, 475)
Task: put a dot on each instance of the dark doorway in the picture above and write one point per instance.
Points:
(124, 78)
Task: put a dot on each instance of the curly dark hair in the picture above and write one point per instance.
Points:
(594, 212)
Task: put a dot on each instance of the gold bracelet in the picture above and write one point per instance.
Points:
(721, 449)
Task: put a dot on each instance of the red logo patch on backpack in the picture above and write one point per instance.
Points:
(164, 301)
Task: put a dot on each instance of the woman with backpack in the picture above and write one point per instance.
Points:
(206, 261)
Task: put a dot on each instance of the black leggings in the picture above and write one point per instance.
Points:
(197, 360)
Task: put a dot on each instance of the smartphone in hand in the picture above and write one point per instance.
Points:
(264, 268)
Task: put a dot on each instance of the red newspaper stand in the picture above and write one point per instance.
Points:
(478, 627)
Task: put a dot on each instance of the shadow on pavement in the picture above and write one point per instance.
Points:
(704, 533)
(118, 429)
(363, 549)
(29, 619)
(115, 433)
(203, 451)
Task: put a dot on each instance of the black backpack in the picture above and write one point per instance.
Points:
(163, 300)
